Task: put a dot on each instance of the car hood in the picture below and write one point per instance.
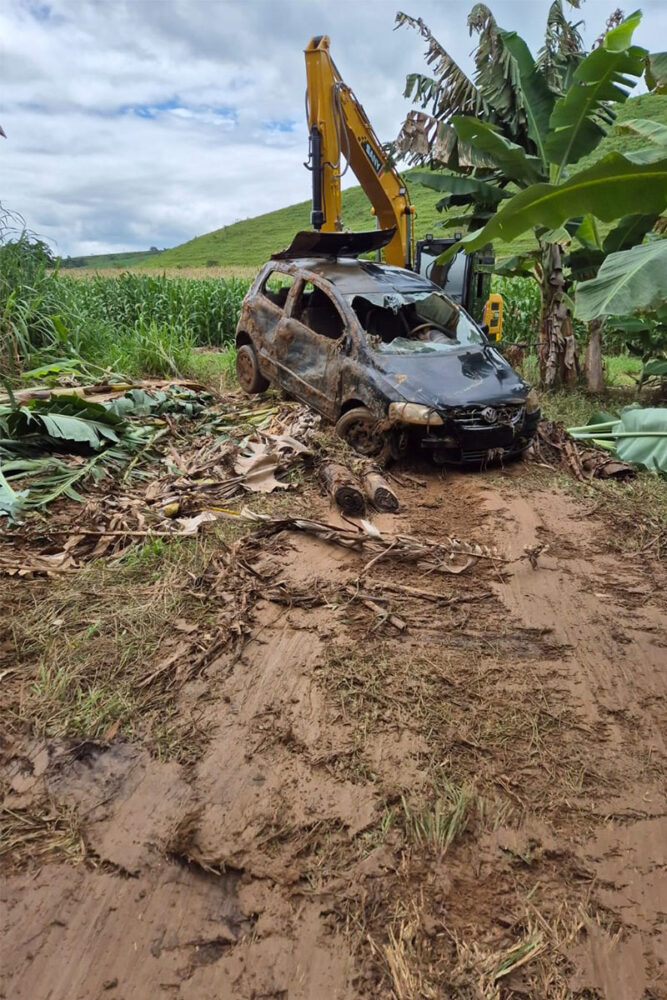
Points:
(471, 376)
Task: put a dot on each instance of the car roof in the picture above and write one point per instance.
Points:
(352, 276)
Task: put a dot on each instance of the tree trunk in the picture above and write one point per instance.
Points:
(556, 348)
(594, 376)
(342, 487)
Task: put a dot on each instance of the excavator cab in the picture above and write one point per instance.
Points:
(465, 278)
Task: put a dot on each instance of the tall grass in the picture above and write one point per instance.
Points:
(131, 323)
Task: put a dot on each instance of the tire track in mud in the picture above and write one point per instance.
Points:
(287, 862)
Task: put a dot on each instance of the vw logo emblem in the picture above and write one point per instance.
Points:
(489, 415)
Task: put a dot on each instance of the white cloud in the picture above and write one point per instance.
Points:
(144, 123)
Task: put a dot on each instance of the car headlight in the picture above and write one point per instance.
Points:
(414, 413)
(532, 402)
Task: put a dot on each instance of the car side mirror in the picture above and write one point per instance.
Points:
(485, 329)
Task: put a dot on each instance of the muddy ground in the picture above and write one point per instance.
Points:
(472, 806)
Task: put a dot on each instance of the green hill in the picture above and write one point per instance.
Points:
(123, 260)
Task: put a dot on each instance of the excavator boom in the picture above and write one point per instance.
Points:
(339, 129)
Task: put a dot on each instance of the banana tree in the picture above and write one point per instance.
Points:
(514, 135)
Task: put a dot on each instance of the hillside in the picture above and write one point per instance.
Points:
(252, 241)
(123, 260)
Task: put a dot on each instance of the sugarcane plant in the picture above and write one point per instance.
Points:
(504, 147)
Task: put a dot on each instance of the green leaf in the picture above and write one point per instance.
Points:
(656, 72)
(619, 38)
(518, 266)
(602, 417)
(587, 233)
(508, 156)
(455, 184)
(645, 156)
(584, 262)
(575, 125)
(656, 366)
(11, 502)
(62, 427)
(627, 281)
(537, 99)
(650, 452)
(644, 128)
(630, 231)
(602, 190)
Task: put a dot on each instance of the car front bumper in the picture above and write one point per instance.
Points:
(464, 438)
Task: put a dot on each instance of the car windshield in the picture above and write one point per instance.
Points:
(424, 322)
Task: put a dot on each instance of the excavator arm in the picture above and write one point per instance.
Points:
(339, 129)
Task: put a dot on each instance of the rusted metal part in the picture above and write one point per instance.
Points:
(309, 339)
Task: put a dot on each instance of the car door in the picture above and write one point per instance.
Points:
(268, 309)
(308, 346)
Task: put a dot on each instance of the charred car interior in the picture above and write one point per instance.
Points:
(387, 356)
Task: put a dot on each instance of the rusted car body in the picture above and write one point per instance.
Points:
(386, 355)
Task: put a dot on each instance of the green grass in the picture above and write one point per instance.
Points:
(216, 369)
(252, 241)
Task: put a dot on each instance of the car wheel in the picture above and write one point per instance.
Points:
(359, 429)
(250, 378)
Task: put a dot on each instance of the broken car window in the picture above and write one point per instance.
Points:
(276, 287)
(450, 275)
(414, 323)
(315, 310)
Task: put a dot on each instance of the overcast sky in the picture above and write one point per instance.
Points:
(147, 122)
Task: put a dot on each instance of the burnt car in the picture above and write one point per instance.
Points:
(384, 354)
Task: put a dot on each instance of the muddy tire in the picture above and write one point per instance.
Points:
(250, 378)
(359, 429)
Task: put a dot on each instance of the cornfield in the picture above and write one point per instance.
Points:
(521, 309)
(130, 323)
(208, 308)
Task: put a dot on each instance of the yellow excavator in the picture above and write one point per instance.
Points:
(339, 129)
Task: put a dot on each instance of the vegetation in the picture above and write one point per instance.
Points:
(51, 324)
(507, 143)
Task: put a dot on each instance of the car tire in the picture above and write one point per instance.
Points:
(248, 374)
(359, 428)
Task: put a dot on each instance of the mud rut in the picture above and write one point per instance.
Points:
(306, 854)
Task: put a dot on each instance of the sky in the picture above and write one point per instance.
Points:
(139, 123)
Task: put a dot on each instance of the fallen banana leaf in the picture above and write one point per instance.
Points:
(639, 436)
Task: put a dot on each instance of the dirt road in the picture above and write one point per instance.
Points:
(470, 807)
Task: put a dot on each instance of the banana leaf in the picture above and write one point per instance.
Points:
(627, 281)
(537, 98)
(456, 184)
(655, 367)
(578, 119)
(656, 72)
(11, 502)
(506, 155)
(649, 452)
(639, 436)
